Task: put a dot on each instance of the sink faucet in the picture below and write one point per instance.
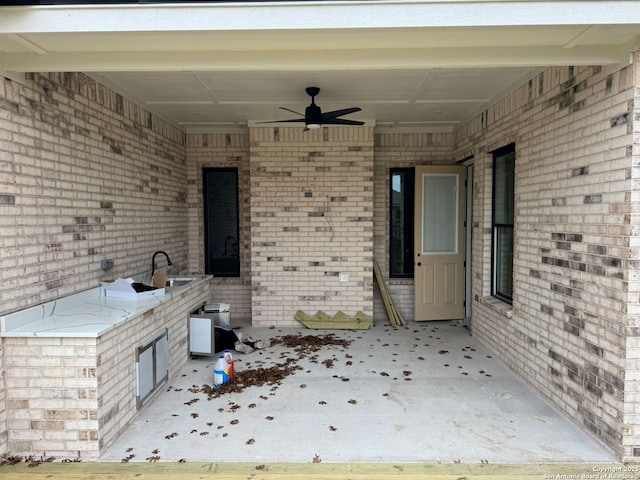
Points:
(153, 261)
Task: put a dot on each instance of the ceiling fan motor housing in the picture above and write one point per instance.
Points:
(313, 114)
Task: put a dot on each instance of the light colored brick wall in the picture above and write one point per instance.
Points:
(631, 430)
(224, 150)
(573, 268)
(85, 175)
(116, 359)
(396, 151)
(5, 197)
(72, 397)
(52, 396)
(221, 151)
(4, 434)
(312, 219)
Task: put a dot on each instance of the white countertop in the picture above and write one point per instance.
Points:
(85, 314)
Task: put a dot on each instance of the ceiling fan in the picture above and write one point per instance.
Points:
(314, 118)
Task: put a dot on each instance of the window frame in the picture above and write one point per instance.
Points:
(207, 260)
(502, 226)
(408, 219)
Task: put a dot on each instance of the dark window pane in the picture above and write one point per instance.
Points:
(504, 262)
(401, 222)
(221, 236)
(502, 220)
(504, 169)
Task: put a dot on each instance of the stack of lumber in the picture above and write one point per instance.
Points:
(395, 317)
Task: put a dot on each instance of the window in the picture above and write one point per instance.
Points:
(401, 222)
(502, 223)
(221, 229)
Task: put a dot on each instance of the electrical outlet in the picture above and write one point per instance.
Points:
(106, 265)
(344, 277)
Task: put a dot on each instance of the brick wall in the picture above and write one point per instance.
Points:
(85, 175)
(395, 151)
(575, 265)
(319, 167)
(72, 397)
(221, 151)
(232, 150)
(53, 396)
(116, 361)
(630, 222)
(4, 433)
(312, 219)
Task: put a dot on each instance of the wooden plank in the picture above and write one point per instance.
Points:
(383, 291)
(305, 471)
(341, 320)
(398, 315)
(393, 313)
(396, 312)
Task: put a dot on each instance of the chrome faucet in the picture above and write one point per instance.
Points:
(153, 261)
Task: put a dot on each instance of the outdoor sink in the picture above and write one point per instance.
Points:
(179, 281)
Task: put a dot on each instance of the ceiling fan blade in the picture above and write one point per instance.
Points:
(292, 111)
(341, 121)
(339, 113)
(297, 120)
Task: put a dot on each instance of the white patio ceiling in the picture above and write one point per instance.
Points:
(410, 65)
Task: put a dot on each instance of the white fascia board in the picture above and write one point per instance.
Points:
(314, 15)
(300, 61)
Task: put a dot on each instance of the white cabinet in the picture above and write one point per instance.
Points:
(202, 335)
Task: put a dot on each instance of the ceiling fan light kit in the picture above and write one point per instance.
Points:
(313, 117)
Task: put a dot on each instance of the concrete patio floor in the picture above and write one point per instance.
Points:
(425, 393)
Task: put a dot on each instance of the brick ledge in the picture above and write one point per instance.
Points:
(498, 306)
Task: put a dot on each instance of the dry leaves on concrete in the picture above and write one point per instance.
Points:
(273, 376)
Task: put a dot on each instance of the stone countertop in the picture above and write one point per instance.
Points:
(85, 314)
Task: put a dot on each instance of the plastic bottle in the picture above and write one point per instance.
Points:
(220, 372)
(229, 359)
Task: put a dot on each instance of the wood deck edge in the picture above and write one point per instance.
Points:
(314, 471)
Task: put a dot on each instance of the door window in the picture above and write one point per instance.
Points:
(440, 207)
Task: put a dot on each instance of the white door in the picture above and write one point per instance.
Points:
(439, 242)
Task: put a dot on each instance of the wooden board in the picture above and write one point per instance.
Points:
(393, 313)
(340, 321)
(300, 471)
